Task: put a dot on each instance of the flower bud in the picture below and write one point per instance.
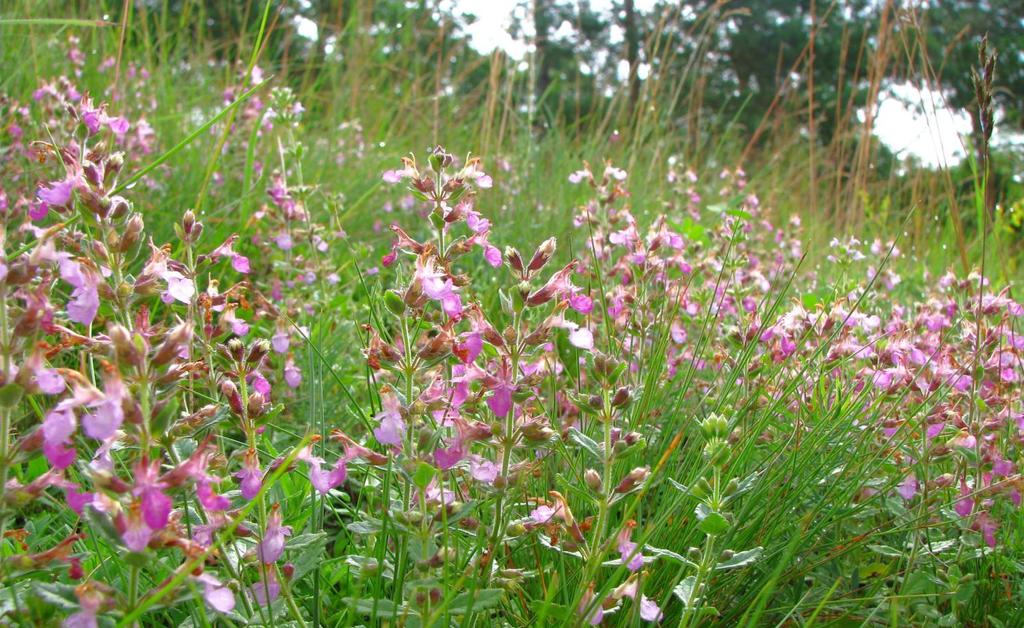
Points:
(256, 404)
(119, 207)
(191, 229)
(440, 159)
(635, 478)
(714, 426)
(593, 480)
(716, 451)
(132, 233)
(173, 343)
(236, 350)
(515, 529)
(513, 259)
(229, 390)
(542, 255)
(257, 351)
(621, 397)
(125, 350)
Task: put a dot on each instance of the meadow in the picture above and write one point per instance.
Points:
(285, 345)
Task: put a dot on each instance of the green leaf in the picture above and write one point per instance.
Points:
(885, 550)
(482, 600)
(664, 553)
(366, 526)
(714, 524)
(10, 395)
(585, 442)
(684, 590)
(101, 524)
(378, 609)
(423, 475)
(56, 595)
(741, 559)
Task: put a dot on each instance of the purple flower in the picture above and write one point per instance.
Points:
(500, 402)
(631, 557)
(266, 591)
(179, 288)
(449, 457)
(250, 478)
(280, 341)
(107, 414)
(85, 298)
(324, 481)
(156, 506)
(581, 303)
(649, 610)
(49, 381)
(582, 338)
(209, 499)
(284, 241)
(58, 193)
(241, 264)
(965, 505)
(272, 545)
(58, 426)
(118, 125)
(483, 470)
(76, 500)
(219, 597)
(908, 488)
(136, 534)
(391, 430)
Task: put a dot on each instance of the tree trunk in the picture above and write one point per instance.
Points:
(632, 53)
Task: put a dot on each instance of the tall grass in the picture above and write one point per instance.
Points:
(808, 486)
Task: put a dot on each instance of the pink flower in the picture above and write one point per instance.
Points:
(391, 430)
(581, 303)
(58, 193)
(280, 341)
(649, 610)
(85, 298)
(544, 513)
(219, 597)
(250, 477)
(595, 615)
(136, 534)
(49, 381)
(272, 545)
(76, 500)
(266, 591)
(209, 499)
(492, 255)
(628, 549)
(965, 505)
(156, 506)
(107, 414)
(179, 288)
(448, 458)
(582, 338)
(58, 426)
(483, 470)
(284, 241)
(292, 375)
(908, 488)
(324, 481)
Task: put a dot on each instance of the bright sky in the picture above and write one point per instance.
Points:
(910, 121)
(925, 129)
